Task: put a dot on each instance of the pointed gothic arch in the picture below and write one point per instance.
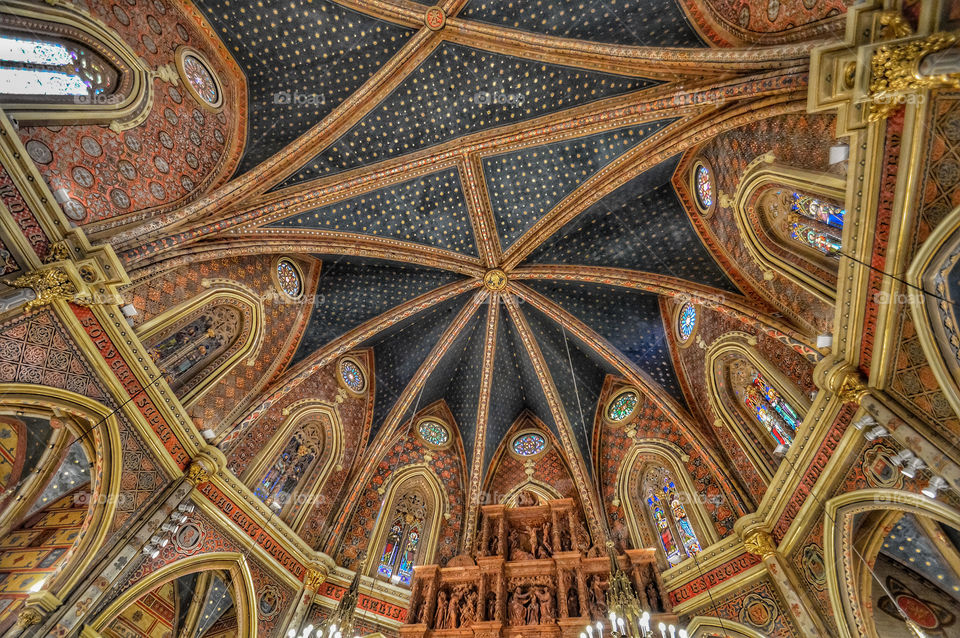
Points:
(121, 86)
(298, 459)
(775, 228)
(196, 343)
(244, 596)
(854, 526)
(732, 362)
(408, 524)
(87, 425)
(638, 462)
(713, 627)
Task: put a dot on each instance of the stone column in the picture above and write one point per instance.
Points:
(760, 542)
(484, 544)
(315, 577)
(563, 584)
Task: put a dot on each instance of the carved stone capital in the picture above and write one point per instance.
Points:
(197, 474)
(316, 576)
(760, 543)
(29, 617)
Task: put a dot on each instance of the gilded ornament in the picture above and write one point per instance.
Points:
(52, 284)
(760, 543)
(315, 578)
(435, 18)
(895, 25)
(852, 388)
(59, 251)
(29, 617)
(196, 474)
(896, 72)
(495, 280)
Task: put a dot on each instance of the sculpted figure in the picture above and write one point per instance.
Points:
(441, 616)
(565, 541)
(620, 536)
(493, 545)
(526, 499)
(583, 538)
(653, 596)
(533, 608)
(545, 599)
(598, 598)
(517, 606)
(545, 549)
(491, 606)
(517, 552)
(573, 602)
(533, 537)
(453, 610)
(468, 609)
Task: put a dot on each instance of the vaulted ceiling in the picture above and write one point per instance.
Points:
(538, 141)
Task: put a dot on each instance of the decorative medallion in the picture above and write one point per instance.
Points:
(200, 80)
(623, 406)
(758, 611)
(877, 468)
(189, 536)
(686, 322)
(352, 376)
(495, 280)
(434, 433)
(928, 615)
(289, 279)
(435, 18)
(813, 568)
(529, 444)
(268, 605)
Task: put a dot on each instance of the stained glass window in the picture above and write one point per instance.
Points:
(704, 184)
(669, 516)
(529, 444)
(623, 406)
(295, 461)
(352, 376)
(434, 433)
(201, 79)
(289, 278)
(764, 402)
(823, 212)
(38, 66)
(827, 243)
(686, 321)
(403, 540)
(184, 355)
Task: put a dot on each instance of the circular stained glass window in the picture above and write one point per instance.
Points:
(686, 321)
(529, 444)
(623, 406)
(289, 278)
(703, 182)
(352, 376)
(201, 79)
(434, 433)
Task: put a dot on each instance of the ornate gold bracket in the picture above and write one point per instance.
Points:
(316, 576)
(896, 71)
(760, 543)
(50, 284)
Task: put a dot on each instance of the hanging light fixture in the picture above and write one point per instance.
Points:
(339, 624)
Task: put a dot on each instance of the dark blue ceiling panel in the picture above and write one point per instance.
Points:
(627, 22)
(428, 210)
(352, 290)
(301, 61)
(462, 393)
(630, 320)
(507, 399)
(399, 351)
(533, 395)
(642, 226)
(525, 185)
(445, 98)
(579, 385)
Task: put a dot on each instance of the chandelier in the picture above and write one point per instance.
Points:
(339, 624)
(627, 619)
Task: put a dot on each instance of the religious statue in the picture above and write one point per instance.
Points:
(468, 610)
(493, 545)
(453, 609)
(583, 538)
(545, 600)
(565, 540)
(517, 552)
(492, 606)
(545, 548)
(620, 537)
(598, 598)
(517, 606)
(440, 619)
(573, 603)
(653, 596)
(527, 499)
(533, 537)
(533, 608)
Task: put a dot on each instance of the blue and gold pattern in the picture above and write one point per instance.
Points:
(438, 102)
(300, 65)
(527, 184)
(629, 22)
(429, 210)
